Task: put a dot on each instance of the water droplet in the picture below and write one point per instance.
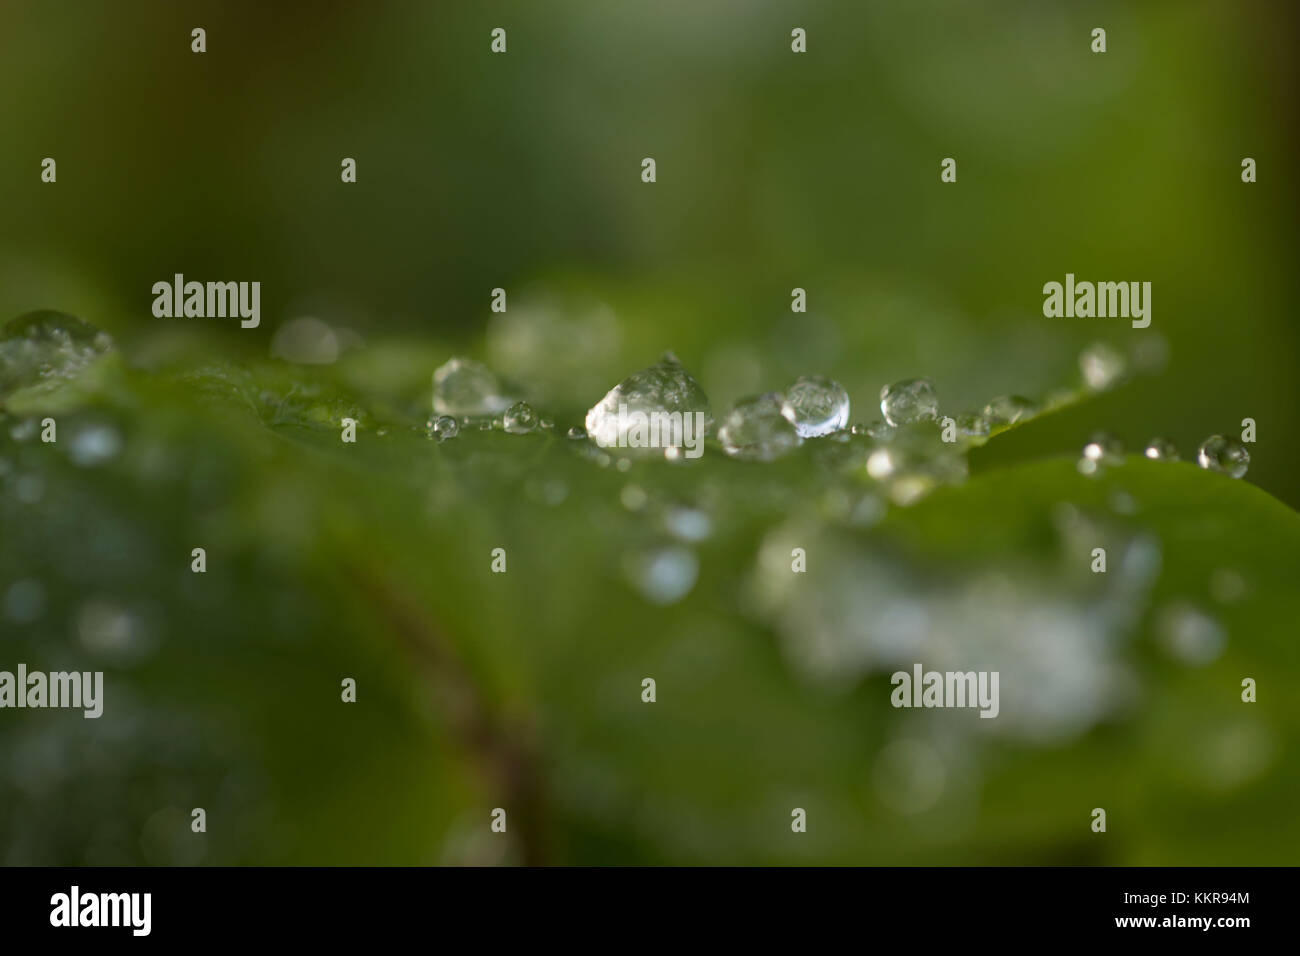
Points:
(1224, 455)
(94, 444)
(576, 433)
(44, 346)
(756, 430)
(1101, 450)
(1189, 634)
(305, 341)
(520, 419)
(25, 601)
(1104, 449)
(687, 522)
(443, 427)
(880, 464)
(1102, 366)
(463, 387)
(663, 389)
(663, 575)
(816, 406)
(909, 402)
(1161, 449)
(972, 425)
(1009, 409)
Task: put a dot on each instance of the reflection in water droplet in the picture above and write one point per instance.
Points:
(663, 575)
(908, 402)
(816, 406)
(756, 430)
(1224, 455)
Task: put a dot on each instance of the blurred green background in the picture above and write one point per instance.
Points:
(522, 171)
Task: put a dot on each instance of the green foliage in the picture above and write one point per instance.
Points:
(522, 690)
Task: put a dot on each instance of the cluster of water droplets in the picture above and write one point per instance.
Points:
(1217, 453)
(44, 348)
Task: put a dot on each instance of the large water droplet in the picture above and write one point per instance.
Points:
(1223, 455)
(909, 402)
(816, 406)
(45, 346)
(756, 430)
(663, 389)
(520, 419)
(463, 387)
(1161, 449)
